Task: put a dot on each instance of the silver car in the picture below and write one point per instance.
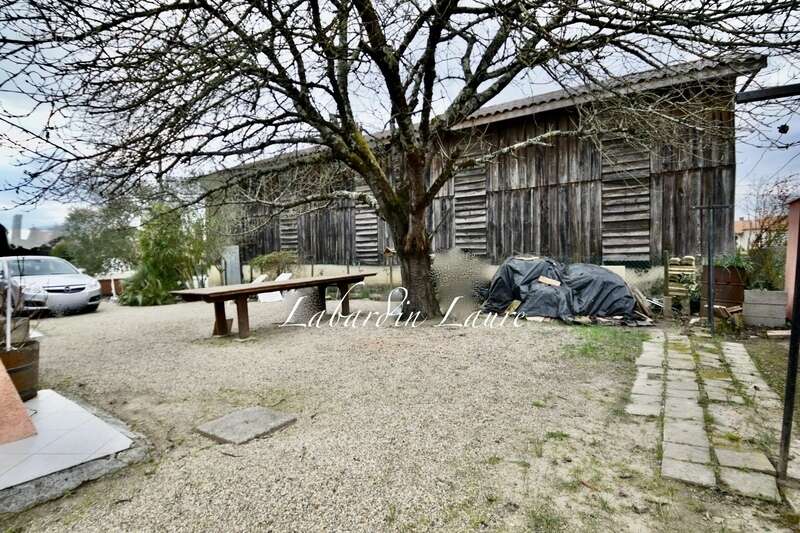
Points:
(50, 284)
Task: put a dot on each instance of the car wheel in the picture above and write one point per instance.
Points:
(92, 308)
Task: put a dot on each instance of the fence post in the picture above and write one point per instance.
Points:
(667, 311)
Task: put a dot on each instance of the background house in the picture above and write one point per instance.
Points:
(616, 201)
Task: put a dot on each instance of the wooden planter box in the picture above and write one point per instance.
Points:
(764, 308)
(22, 365)
(728, 286)
(105, 286)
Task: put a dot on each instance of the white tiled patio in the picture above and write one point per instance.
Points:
(67, 435)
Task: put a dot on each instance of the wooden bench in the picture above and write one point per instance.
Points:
(240, 293)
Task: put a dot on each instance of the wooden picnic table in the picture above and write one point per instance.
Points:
(240, 293)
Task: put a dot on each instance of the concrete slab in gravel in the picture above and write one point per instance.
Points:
(681, 364)
(682, 385)
(692, 412)
(643, 409)
(647, 388)
(750, 460)
(650, 360)
(681, 375)
(694, 473)
(716, 395)
(245, 425)
(685, 432)
(753, 484)
(677, 393)
(684, 452)
(643, 399)
(650, 373)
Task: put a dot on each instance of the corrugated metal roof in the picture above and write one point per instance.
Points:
(650, 79)
(700, 70)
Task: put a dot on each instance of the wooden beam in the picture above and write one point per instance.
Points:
(768, 93)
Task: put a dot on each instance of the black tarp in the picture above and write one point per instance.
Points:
(585, 290)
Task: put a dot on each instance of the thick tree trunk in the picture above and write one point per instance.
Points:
(413, 249)
(415, 271)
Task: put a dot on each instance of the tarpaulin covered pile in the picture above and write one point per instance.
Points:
(584, 290)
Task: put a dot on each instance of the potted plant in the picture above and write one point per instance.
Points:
(19, 353)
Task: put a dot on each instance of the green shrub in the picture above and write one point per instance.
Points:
(275, 262)
(161, 249)
(736, 260)
(768, 272)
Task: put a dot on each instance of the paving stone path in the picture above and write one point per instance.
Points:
(719, 416)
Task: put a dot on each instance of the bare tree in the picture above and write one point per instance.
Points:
(158, 91)
(765, 231)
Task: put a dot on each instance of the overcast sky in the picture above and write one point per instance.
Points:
(753, 162)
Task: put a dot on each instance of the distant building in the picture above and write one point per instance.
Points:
(746, 230)
(35, 240)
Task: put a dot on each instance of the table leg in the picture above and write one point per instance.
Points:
(322, 290)
(244, 318)
(220, 322)
(343, 288)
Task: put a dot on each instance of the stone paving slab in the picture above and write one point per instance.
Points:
(647, 388)
(681, 375)
(685, 432)
(650, 373)
(718, 382)
(681, 364)
(696, 474)
(245, 425)
(752, 484)
(748, 459)
(682, 385)
(684, 452)
(643, 409)
(678, 393)
(686, 413)
(720, 396)
(645, 399)
(650, 360)
(653, 346)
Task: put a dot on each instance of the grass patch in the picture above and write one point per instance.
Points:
(555, 435)
(714, 373)
(542, 518)
(732, 437)
(537, 447)
(607, 343)
(494, 460)
(771, 357)
(538, 403)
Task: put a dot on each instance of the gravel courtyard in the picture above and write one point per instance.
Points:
(397, 429)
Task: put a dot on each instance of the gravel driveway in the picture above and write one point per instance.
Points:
(398, 429)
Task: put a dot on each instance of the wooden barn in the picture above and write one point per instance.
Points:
(609, 202)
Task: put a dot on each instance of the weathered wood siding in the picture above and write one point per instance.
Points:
(288, 232)
(540, 199)
(572, 200)
(626, 201)
(327, 235)
(685, 176)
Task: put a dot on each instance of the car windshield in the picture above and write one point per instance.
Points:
(39, 266)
